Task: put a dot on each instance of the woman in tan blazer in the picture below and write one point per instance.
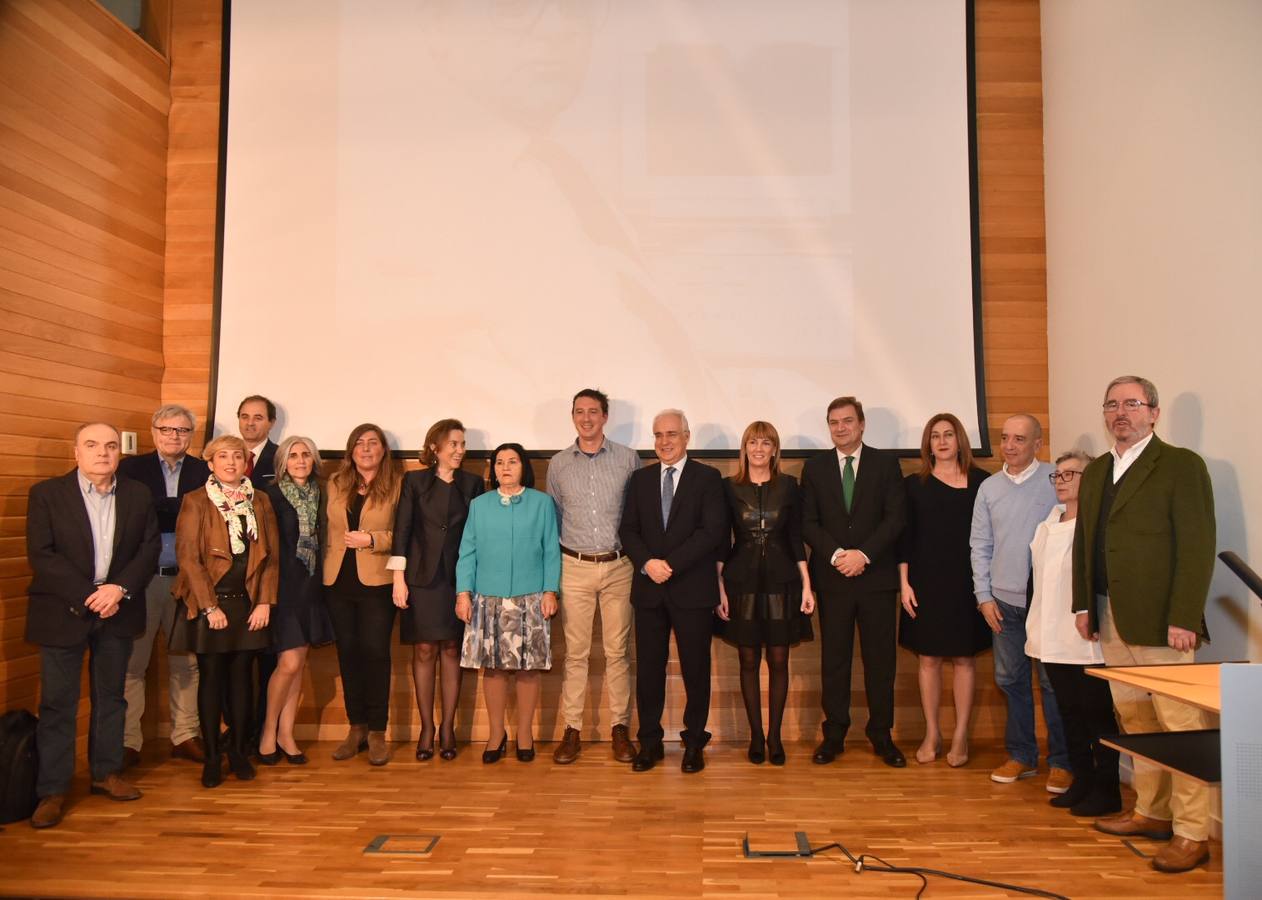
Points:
(227, 547)
(359, 524)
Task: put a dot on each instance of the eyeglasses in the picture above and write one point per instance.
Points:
(1064, 477)
(168, 430)
(1128, 405)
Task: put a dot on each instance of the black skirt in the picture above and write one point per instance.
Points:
(300, 618)
(772, 618)
(431, 613)
(196, 635)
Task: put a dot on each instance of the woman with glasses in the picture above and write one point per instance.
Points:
(1085, 703)
(507, 578)
(227, 547)
(939, 619)
(359, 529)
(300, 619)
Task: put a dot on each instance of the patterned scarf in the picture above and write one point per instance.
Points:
(305, 499)
(233, 503)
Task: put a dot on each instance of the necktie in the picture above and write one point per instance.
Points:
(249, 464)
(847, 482)
(668, 494)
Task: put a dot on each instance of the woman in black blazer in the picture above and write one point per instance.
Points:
(300, 619)
(429, 523)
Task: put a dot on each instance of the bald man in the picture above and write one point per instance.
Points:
(1009, 507)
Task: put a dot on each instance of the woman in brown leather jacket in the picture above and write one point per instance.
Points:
(226, 544)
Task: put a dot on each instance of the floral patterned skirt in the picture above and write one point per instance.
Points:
(507, 633)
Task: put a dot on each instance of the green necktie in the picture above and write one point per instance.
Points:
(847, 482)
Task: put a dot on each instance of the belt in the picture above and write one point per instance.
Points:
(168, 571)
(611, 556)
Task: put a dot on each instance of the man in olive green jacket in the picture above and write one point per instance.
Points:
(1143, 558)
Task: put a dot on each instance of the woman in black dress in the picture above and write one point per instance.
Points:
(764, 587)
(300, 619)
(428, 525)
(228, 595)
(939, 618)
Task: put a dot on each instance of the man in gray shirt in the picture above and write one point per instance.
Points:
(588, 483)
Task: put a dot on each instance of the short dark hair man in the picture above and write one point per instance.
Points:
(674, 526)
(853, 510)
(169, 472)
(1143, 560)
(256, 416)
(92, 543)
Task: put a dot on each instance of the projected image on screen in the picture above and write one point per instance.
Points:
(475, 209)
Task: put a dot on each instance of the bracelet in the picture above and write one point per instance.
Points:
(208, 610)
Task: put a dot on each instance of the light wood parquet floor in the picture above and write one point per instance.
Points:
(590, 829)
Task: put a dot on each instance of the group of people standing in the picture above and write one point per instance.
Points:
(267, 559)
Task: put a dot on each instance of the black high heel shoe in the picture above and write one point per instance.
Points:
(775, 751)
(268, 759)
(239, 763)
(527, 754)
(445, 751)
(212, 771)
(424, 753)
(494, 756)
(757, 750)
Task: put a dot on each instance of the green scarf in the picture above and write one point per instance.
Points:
(305, 500)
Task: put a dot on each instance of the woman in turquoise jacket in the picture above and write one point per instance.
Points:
(506, 593)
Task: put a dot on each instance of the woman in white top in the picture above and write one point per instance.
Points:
(1085, 703)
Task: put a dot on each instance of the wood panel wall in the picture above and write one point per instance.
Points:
(1009, 100)
(83, 133)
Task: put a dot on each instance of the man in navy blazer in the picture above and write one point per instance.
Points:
(169, 473)
(256, 417)
(674, 524)
(92, 544)
(853, 510)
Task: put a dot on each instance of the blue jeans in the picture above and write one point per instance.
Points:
(1012, 674)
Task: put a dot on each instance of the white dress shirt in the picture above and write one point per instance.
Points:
(854, 467)
(1024, 475)
(678, 466)
(1123, 461)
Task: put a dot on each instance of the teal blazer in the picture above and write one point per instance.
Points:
(510, 549)
(1160, 543)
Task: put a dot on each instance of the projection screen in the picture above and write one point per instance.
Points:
(741, 208)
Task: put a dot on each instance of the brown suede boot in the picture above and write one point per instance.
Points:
(378, 750)
(356, 740)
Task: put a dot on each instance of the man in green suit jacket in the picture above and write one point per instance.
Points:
(1143, 558)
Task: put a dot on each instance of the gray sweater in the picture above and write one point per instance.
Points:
(1005, 516)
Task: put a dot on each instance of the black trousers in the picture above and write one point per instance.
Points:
(693, 630)
(362, 626)
(1086, 711)
(876, 615)
(225, 686)
(60, 673)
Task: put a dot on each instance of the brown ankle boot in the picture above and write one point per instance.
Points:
(356, 740)
(378, 751)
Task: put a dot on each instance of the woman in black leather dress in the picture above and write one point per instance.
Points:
(764, 586)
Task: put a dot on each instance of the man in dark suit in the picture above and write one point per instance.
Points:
(853, 509)
(674, 523)
(92, 543)
(169, 473)
(1143, 560)
(256, 417)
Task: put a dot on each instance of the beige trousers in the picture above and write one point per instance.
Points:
(160, 611)
(584, 587)
(1161, 795)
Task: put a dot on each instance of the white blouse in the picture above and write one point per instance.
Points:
(1050, 632)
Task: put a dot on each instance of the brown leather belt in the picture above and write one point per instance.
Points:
(611, 556)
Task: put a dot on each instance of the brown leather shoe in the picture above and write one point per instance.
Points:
(193, 750)
(356, 740)
(116, 789)
(569, 748)
(623, 749)
(131, 758)
(49, 811)
(1132, 824)
(378, 751)
(1181, 855)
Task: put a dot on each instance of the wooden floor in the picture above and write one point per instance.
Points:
(590, 829)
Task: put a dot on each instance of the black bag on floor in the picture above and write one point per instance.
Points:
(18, 765)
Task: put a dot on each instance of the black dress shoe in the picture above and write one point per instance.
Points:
(694, 760)
(240, 765)
(648, 757)
(890, 754)
(775, 752)
(526, 755)
(268, 759)
(757, 750)
(494, 756)
(212, 772)
(827, 751)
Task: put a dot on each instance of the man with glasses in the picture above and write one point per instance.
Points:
(1008, 509)
(1143, 559)
(169, 473)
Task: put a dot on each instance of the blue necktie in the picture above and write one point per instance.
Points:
(668, 494)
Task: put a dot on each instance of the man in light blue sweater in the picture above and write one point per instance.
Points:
(1009, 507)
